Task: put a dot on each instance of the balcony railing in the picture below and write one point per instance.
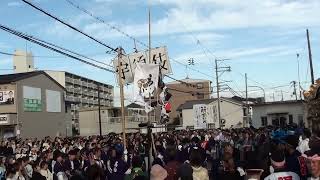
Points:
(113, 120)
(69, 98)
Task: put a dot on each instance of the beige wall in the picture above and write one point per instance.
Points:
(231, 112)
(59, 76)
(22, 61)
(40, 124)
(12, 107)
(89, 123)
(179, 98)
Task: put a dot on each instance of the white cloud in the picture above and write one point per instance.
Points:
(4, 46)
(14, 4)
(205, 37)
(235, 54)
(6, 63)
(210, 15)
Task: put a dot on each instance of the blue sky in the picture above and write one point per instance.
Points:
(260, 37)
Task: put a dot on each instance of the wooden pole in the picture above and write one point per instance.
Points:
(123, 119)
(99, 111)
(247, 104)
(310, 58)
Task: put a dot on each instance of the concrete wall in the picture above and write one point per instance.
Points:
(294, 109)
(89, 123)
(59, 76)
(4, 108)
(23, 61)
(231, 112)
(41, 124)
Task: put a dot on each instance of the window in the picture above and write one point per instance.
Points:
(275, 121)
(29, 66)
(300, 120)
(290, 119)
(264, 121)
(200, 86)
(245, 112)
(200, 95)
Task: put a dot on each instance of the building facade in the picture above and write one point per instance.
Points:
(80, 92)
(279, 113)
(232, 113)
(83, 93)
(32, 105)
(187, 90)
(111, 119)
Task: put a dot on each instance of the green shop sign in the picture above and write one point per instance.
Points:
(32, 105)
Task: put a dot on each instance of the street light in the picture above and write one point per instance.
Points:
(264, 93)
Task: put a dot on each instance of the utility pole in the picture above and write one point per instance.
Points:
(247, 104)
(99, 109)
(273, 97)
(123, 119)
(281, 95)
(294, 89)
(310, 58)
(218, 92)
(223, 69)
(299, 81)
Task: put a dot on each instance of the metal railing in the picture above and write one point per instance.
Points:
(113, 120)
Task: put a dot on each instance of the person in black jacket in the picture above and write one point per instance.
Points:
(229, 169)
(36, 172)
(72, 165)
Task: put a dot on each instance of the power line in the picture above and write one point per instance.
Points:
(104, 22)
(49, 46)
(125, 34)
(41, 56)
(70, 26)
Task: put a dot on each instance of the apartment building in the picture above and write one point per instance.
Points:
(82, 92)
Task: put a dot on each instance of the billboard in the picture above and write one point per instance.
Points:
(6, 97)
(32, 99)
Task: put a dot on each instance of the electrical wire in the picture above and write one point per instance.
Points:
(49, 46)
(107, 24)
(126, 34)
(70, 26)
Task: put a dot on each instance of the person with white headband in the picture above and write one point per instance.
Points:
(278, 168)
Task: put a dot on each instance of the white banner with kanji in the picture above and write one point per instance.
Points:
(145, 81)
(203, 115)
(128, 63)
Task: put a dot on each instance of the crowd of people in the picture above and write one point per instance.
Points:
(267, 153)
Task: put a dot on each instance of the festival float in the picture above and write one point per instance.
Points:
(312, 99)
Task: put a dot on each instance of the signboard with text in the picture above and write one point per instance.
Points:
(32, 99)
(3, 119)
(128, 63)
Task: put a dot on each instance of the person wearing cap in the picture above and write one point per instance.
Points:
(295, 162)
(278, 168)
(157, 171)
